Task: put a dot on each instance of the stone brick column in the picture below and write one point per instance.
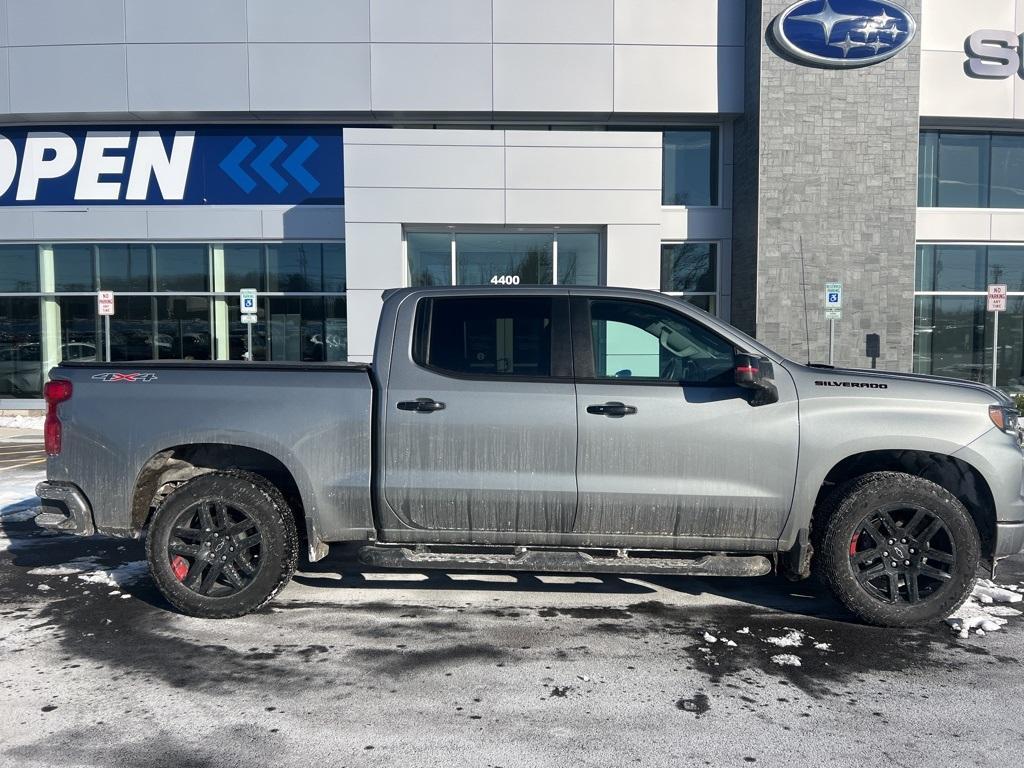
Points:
(827, 157)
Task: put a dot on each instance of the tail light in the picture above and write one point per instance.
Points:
(55, 392)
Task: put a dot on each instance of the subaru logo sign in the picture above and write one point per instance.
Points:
(843, 33)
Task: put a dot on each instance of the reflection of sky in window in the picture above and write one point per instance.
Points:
(969, 267)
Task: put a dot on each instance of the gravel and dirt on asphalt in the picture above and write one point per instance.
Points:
(355, 667)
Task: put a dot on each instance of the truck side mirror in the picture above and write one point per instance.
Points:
(756, 373)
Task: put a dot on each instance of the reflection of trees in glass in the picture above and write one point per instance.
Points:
(688, 267)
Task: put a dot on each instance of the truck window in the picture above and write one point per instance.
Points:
(485, 336)
(636, 340)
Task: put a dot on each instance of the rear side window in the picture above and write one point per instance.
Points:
(485, 336)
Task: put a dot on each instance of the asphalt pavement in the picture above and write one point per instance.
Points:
(355, 667)
(20, 450)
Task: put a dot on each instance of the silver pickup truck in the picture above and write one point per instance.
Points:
(543, 429)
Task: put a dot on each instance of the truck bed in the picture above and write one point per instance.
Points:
(313, 420)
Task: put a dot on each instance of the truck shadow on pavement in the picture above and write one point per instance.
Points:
(732, 631)
(341, 570)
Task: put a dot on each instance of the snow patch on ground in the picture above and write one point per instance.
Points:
(70, 568)
(980, 613)
(21, 422)
(786, 660)
(90, 571)
(791, 639)
(18, 500)
(121, 576)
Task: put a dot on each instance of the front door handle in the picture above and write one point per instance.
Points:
(421, 405)
(614, 409)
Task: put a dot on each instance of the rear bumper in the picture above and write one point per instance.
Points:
(65, 509)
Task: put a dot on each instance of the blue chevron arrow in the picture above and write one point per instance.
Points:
(293, 164)
(262, 164)
(231, 164)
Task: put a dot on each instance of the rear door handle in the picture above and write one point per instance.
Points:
(614, 409)
(421, 405)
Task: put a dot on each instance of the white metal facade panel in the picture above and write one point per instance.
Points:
(57, 22)
(308, 21)
(431, 77)
(210, 77)
(553, 21)
(185, 21)
(553, 78)
(305, 77)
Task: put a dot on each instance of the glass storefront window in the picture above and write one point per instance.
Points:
(953, 332)
(963, 170)
(927, 168)
(1006, 266)
(182, 267)
(74, 268)
(430, 258)
(285, 267)
(690, 167)
(951, 268)
(960, 169)
(186, 321)
(579, 258)
(294, 267)
(244, 267)
(504, 259)
(949, 336)
(125, 267)
(1007, 172)
(688, 267)
(21, 367)
(690, 271)
(334, 267)
(313, 329)
(79, 328)
(183, 328)
(19, 269)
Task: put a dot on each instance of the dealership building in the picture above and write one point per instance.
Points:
(738, 154)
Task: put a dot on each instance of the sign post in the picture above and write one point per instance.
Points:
(105, 308)
(996, 304)
(833, 312)
(248, 304)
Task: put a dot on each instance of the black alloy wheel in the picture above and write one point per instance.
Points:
(222, 544)
(215, 548)
(902, 553)
(896, 549)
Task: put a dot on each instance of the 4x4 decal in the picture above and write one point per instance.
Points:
(125, 377)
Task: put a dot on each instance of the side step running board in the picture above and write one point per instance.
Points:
(552, 561)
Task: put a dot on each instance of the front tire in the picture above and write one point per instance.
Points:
(222, 545)
(897, 550)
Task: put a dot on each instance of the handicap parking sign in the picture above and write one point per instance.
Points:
(248, 300)
(833, 295)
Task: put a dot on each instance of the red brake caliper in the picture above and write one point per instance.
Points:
(179, 565)
(853, 543)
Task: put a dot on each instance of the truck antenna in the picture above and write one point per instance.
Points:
(803, 283)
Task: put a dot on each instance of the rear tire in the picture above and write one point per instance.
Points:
(897, 550)
(222, 545)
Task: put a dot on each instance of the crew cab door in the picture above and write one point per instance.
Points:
(669, 446)
(480, 421)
